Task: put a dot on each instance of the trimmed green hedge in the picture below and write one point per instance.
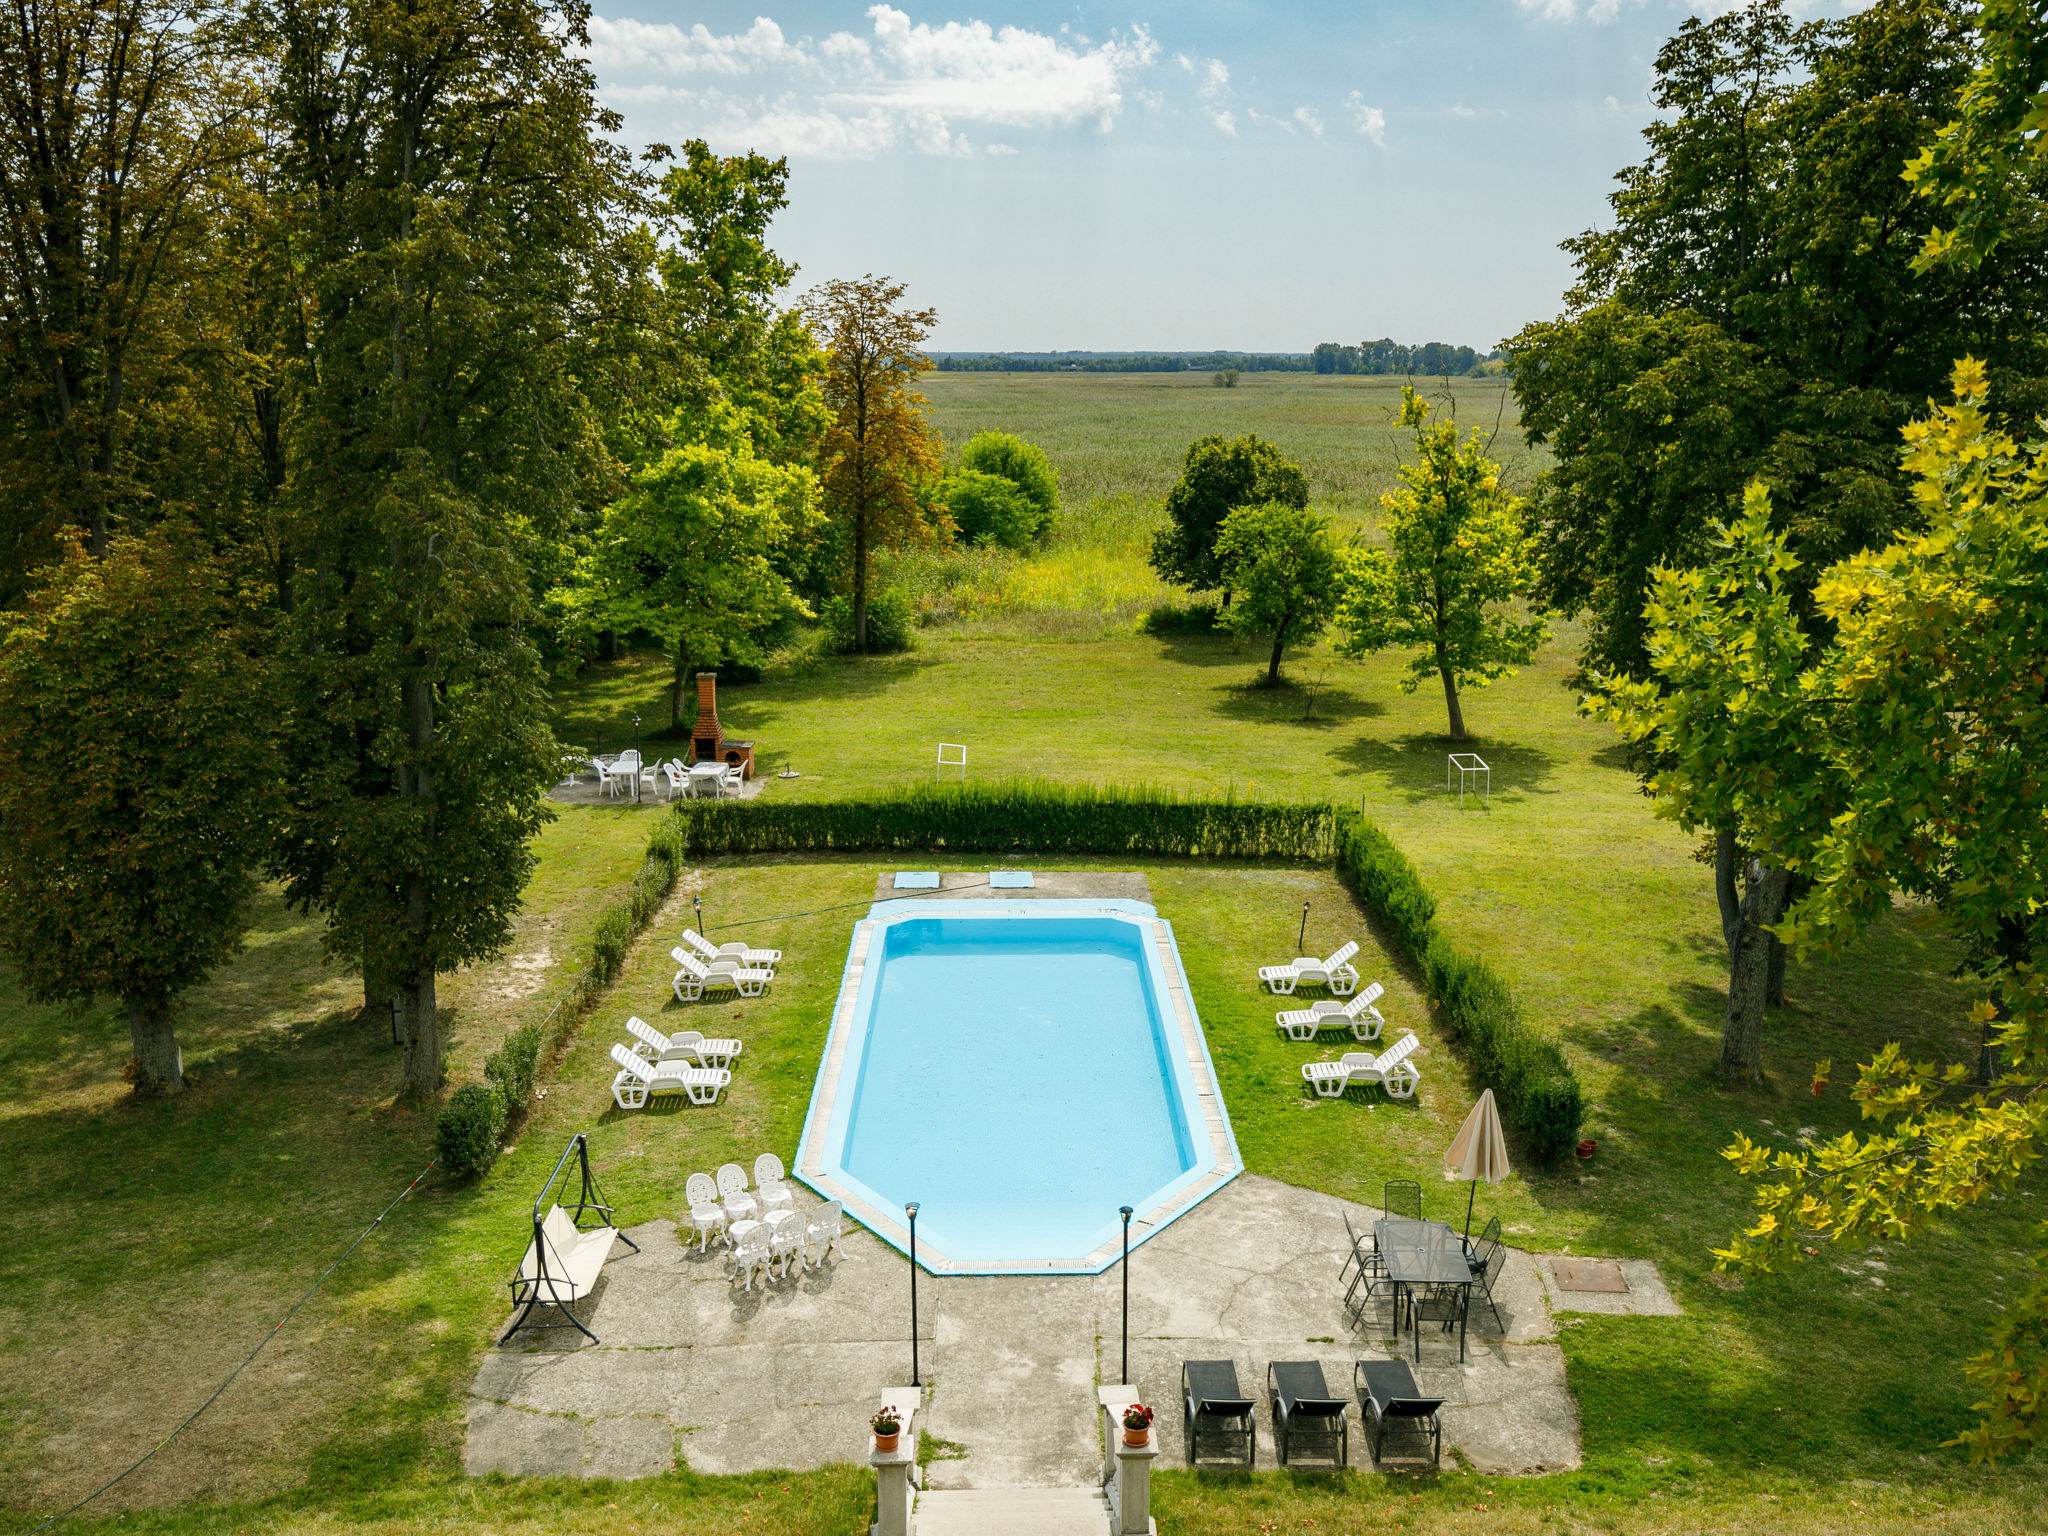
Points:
(1538, 1093)
(1020, 816)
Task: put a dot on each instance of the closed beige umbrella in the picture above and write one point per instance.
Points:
(1479, 1151)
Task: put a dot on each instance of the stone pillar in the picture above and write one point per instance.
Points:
(1130, 1491)
(893, 1492)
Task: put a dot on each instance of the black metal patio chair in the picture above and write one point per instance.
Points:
(1482, 1281)
(1390, 1402)
(1218, 1418)
(1482, 1250)
(1305, 1415)
(1403, 1198)
(1365, 1249)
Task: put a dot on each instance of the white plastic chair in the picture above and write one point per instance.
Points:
(768, 1169)
(607, 783)
(1364, 1019)
(786, 1238)
(741, 954)
(732, 781)
(750, 1252)
(673, 777)
(1337, 973)
(1391, 1069)
(685, 1045)
(638, 1080)
(821, 1233)
(732, 1193)
(706, 1215)
(695, 978)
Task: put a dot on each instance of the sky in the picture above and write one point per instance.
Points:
(1186, 176)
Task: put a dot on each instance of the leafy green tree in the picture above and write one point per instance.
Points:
(1752, 311)
(989, 509)
(138, 750)
(1286, 572)
(1927, 710)
(879, 450)
(456, 209)
(1457, 557)
(1727, 712)
(1216, 479)
(687, 553)
(1024, 465)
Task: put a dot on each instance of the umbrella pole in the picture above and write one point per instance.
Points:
(1469, 1198)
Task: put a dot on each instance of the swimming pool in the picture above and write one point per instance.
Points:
(1020, 1069)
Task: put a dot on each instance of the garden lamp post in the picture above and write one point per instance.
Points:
(697, 906)
(912, 1209)
(636, 757)
(1302, 937)
(1125, 1210)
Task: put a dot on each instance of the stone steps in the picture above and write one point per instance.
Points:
(1012, 1512)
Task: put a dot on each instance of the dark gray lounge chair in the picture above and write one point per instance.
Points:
(1305, 1415)
(1219, 1419)
(1389, 1401)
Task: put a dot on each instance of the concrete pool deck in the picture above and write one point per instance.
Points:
(694, 1371)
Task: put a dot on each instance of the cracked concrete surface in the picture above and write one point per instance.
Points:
(691, 1369)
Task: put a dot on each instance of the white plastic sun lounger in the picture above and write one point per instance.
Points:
(1364, 1019)
(1391, 1069)
(696, 977)
(639, 1080)
(686, 1045)
(766, 959)
(1337, 973)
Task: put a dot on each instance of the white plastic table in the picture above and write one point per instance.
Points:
(709, 772)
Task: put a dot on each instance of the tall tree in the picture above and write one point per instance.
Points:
(1286, 572)
(114, 115)
(1752, 312)
(1217, 477)
(133, 880)
(879, 448)
(1457, 561)
(458, 212)
(687, 553)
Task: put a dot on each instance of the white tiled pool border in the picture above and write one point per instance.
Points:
(1224, 1163)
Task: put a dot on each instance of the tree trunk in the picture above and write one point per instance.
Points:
(1451, 702)
(422, 1025)
(677, 685)
(860, 585)
(607, 645)
(422, 1035)
(160, 1065)
(1273, 666)
(1749, 965)
(1774, 977)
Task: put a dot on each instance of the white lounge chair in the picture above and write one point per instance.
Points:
(764, 959)
(686, 1045)
(707, 1216)
(1364, 1019)
(639, 1080)
(1337, 973)
(1391, 1069)
(821, 1232)
(786, 1238)
(732, 1193)
(695, 978)
(750, 1252)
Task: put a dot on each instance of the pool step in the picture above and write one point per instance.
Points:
(1012, 1512)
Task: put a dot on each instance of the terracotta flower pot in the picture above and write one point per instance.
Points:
(1586, 1148)
(886, 1443)
(1137, 1437)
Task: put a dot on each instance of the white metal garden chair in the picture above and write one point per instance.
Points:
(821, 1232)
(768, 1169)
(1359, 1014)
(732, 1193)
(750, 1252)
(1337, 973)
(707, 1216)
(742, 954)
(694, 978)
(1391, 1069)
(786, 1238)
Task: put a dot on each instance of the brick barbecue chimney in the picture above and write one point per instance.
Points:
(707, 742)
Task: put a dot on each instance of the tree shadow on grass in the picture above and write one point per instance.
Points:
(1415, 766)
(1252, 701)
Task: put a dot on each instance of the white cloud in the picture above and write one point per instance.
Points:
(1212, 90)
(1372, 122)
(1461, 110)
(1599, 12)
(853, 96)
(1309, 119)
(1283, 124)
(1000, 149)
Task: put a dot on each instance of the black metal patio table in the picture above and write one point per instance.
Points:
(1424, 1253)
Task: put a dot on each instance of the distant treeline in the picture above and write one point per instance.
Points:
(1389, 356)
(1119, 362)
(1383, 356)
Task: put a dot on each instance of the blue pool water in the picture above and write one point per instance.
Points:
(1020, 1078)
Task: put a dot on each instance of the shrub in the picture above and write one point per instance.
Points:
(889, 622)
(989, 509)
(513, 1065)
(1179, 619)
(1224, 378)
(466, 1131)
(1023, 464)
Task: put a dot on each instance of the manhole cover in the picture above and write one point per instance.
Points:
(1588, 1275)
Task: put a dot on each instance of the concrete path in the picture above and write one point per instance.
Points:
(692, 1368)
(1013, 1512)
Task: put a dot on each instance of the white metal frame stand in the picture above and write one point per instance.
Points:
(1466, 765)
(946, 762)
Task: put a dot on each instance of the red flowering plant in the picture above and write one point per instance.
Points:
(1137, 1416)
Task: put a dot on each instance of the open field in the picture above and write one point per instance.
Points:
(149, 1245)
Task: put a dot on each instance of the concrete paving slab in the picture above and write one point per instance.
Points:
(1646, 1296)
(1046, 885)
